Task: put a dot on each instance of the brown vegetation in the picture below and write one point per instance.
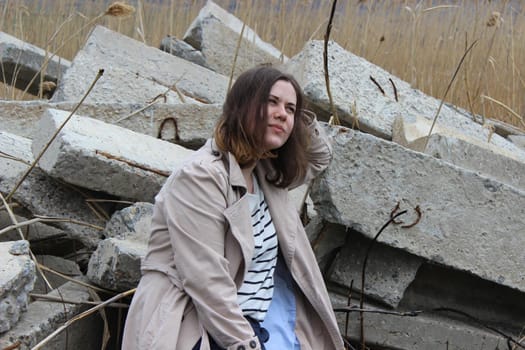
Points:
(418, 41)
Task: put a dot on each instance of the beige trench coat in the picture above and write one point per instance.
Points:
(200, 242)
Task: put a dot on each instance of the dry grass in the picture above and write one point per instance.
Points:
(418, 41)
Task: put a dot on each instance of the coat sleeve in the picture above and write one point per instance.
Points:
(319, 152)
(194, 202)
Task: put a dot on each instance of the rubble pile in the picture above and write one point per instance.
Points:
(445, 274)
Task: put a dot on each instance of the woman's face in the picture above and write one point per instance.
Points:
(281, 110)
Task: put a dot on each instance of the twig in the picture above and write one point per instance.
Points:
(156, 99)
(446, 92)
(16, 159)
(361, 300)
(37, 159)
(325, 64)
(135, 112)
(13, 346)
(507, 108)
(92, 200)
(39, 218)
(84, 284)
(81, 316)
(74, 302)
(478, 321)
(33, 257)
(239, 41)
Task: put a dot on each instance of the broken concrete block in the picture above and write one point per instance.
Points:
(186, 124)
(135, 73)
(64, 266)
(41, 195)
(518, 140)
(22, 64)
(426, 331)
(326, 240)
(455, 217)
(17, 277)
(183, 50)
(437, 286)
(215, 32)
(131, 222)
(502, 164)
(359, 101)
(115, 265)
(388, 272)
(41, 237)
(44, 316)
(104, 157)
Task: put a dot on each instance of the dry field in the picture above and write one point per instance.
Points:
(421, 41)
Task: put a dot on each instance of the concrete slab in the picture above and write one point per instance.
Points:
(132, 222)
(326, 240)
(182, 49)
(17, 277)
(388, 273)
(115, 265)
(468, 222)
(43, 317)
(360, 102)
(103, 157)
(503, 164)
(215, 32)
(187, 124)
(427, 331)
(135, 73)
(437, 286)
(21, 62)
(56, 263)
(41, 195)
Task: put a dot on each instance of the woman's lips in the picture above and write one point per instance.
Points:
(277, 128)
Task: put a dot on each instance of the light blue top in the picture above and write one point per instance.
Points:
(280, 319)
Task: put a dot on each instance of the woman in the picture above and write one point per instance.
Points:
(229, 265)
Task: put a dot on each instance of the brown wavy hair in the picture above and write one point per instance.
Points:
(240, 129)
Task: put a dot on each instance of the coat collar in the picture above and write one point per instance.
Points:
(233, 168)
(283, 214)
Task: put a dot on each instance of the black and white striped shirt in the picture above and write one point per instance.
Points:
(255, 294)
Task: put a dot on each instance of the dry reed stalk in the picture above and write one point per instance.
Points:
(37, 159)
(76, 281)
(237, 48)
(507, 108)
(445, 94)
(75, 302)
(109, 201)
(33, 257)
(105, 333)
(49, 219)
(325, 64)
(81, 316)
(116, 9)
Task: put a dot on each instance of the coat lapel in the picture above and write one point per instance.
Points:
(282, 215)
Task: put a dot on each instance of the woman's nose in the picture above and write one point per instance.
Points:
(281, 112)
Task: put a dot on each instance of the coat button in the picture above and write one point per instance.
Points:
(253, 344)
(241, 347)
